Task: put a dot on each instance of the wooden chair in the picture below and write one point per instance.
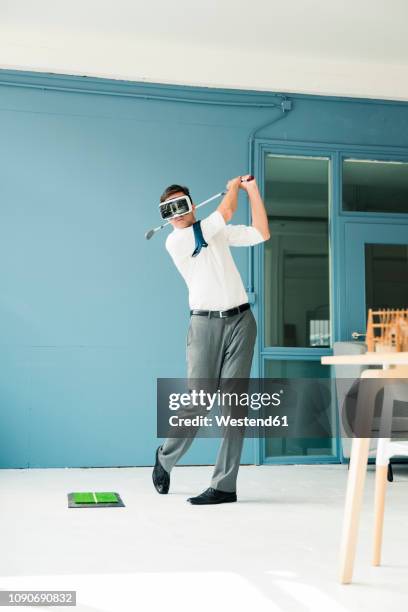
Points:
(387, 448)
(347, 378)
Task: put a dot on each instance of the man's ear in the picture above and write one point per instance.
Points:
(193, 206)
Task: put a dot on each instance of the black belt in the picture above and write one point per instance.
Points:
(221, 314)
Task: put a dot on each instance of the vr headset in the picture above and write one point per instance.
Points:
(175, 207)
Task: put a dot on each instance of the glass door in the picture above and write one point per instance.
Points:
(376, 270)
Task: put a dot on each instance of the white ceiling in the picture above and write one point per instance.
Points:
(346, 48)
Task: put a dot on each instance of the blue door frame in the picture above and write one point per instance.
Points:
(342, 322)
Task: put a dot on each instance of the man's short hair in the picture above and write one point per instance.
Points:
(171, 189)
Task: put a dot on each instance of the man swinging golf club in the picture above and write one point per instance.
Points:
(222, 330)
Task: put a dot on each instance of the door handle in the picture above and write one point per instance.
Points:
(357, 335)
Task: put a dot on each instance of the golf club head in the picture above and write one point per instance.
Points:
(149, 234)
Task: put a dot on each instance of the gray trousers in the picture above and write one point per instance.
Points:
(216, 348)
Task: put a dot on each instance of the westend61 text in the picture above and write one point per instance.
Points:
(228, 421)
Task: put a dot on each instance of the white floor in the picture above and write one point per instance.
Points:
(276, 548)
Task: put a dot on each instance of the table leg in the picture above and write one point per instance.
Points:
(379, 506)
(354, 497)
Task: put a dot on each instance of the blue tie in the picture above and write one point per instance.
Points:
(199, 238)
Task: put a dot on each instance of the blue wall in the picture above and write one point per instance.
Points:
(90, 312)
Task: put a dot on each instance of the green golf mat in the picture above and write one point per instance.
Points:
(90, 499)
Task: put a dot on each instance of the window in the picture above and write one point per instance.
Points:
(375, 186)
(314, 414)
(296, 262)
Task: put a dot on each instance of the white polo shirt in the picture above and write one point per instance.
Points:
(212, 278)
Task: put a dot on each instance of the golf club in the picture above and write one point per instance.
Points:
(152, 231)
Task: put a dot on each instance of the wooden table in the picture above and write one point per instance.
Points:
(358, 462)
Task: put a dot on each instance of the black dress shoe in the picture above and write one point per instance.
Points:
(161, 478)
(213, 496)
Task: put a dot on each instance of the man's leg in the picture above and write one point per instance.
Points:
(204, 360)
(240, 341)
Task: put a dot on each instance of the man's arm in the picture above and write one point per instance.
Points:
(258, 212)
(229, 203)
